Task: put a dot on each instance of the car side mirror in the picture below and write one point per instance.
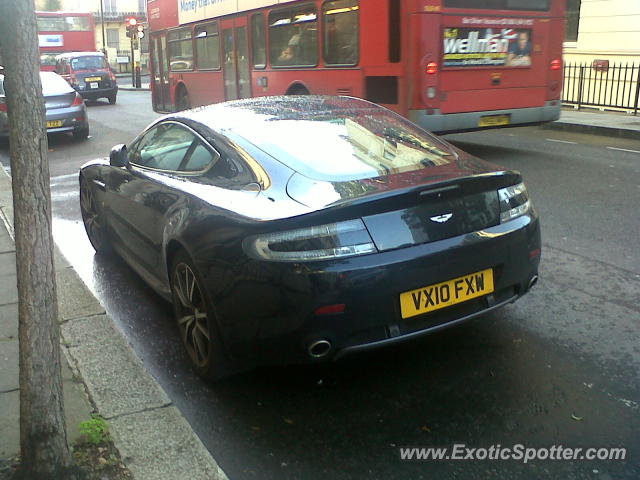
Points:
(118, 156)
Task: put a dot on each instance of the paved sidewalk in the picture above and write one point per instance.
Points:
(101, 374)
(613, 124)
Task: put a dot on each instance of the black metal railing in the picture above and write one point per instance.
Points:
(597, 85)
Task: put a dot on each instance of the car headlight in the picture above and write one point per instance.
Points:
(514, 202)
(323, 242)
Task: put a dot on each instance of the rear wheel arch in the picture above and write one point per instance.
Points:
(298, 88)
(173, 248)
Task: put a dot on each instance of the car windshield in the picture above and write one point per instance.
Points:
(344, 144)
(88, 63)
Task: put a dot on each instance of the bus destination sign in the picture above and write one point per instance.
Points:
(196, 10)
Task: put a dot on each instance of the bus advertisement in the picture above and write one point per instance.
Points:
(448, 65)
(61, 32)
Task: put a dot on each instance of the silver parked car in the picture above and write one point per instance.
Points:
(65, 108)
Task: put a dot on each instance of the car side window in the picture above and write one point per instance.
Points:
(164, 147)
(199, 159)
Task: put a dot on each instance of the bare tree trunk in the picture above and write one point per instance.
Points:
(43, 440)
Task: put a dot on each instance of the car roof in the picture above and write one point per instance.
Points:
(321, 137)
(80, 54)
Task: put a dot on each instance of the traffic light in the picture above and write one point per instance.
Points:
(132, 27)
(140, 31)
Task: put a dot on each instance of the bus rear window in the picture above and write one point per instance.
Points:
(537, 5)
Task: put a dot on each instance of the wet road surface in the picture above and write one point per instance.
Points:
(559, 367)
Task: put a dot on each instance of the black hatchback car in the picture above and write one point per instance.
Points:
(300, 229)
(89, 74)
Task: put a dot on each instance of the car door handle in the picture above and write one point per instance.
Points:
(101, 185)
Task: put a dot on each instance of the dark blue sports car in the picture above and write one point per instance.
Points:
(300, 229)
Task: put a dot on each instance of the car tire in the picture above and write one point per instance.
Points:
(183, 102)
(195, 318)
(81, 133)
(112, 100)
(92, 219)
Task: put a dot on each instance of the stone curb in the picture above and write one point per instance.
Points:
(154, 439)
(593, 129)
(133, 89)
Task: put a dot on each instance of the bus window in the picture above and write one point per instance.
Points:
(258, 41)
(341, 35)
(394, 32)
(207, 46)
(77, 24)
(293, 36)
(542, 5)
(180, 50)
(51, 24)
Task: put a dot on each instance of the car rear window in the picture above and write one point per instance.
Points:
(54, 84)
(88, 63)
(363, 143)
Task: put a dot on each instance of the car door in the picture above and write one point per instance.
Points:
(138, 199)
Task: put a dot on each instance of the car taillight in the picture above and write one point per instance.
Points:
(112, 76)
(514, 202)
(78, 100)
(432, 67)
(3, 106)
(556, 64)
(73, 80)
(323, 242)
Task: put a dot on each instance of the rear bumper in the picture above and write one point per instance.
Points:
(268, 317)
(97, 93)
(460, 122)
(72, 118)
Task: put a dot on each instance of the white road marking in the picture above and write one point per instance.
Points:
(623, 150)
(561, 141)
(63, 177)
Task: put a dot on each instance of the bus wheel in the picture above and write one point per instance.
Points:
(182, 102)
(298, 90)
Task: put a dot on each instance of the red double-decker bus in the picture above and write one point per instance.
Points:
(448, 65)
(61, 32)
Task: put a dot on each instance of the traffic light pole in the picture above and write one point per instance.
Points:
(133, 64)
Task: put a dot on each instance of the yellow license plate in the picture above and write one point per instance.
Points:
(494, 121)
(54, 124)
(445, 294)
(92, 79)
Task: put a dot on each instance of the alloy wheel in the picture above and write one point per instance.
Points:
(90, 217)
(191, 314)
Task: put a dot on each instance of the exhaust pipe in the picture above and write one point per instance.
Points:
(532, 282)
(319, 348)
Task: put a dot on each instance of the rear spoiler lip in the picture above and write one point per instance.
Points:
(511, 177)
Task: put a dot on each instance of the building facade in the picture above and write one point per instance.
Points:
(603, 30)
(602, 55)
(111, 26)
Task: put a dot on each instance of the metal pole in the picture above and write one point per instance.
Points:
(580, 86)
(635, 109)
(132, 65)
(104, 43)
